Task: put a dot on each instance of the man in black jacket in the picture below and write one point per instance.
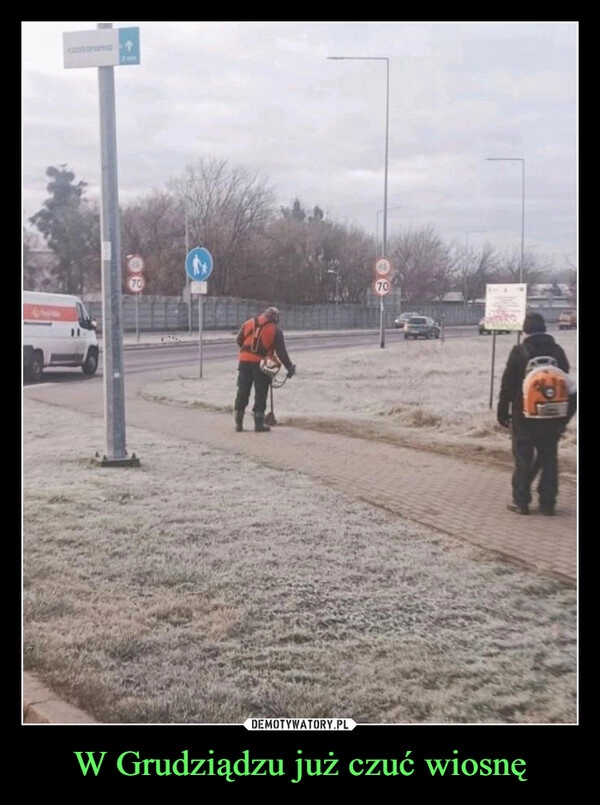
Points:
(534, 442)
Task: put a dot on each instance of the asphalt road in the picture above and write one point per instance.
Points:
(157, 352)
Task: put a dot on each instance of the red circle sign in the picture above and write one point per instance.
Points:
(382, 286)
(383, 267)
(135, 263)
(136, 283)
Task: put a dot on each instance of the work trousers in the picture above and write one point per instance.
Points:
(249, 375)
(535, 449)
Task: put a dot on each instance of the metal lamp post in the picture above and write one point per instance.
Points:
(385, 173)
(469, 232)
(377, 226)
(522, 161)
(187, 279)
(187, 186)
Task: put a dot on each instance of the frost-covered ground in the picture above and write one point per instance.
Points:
(431, 394)
(143, 603)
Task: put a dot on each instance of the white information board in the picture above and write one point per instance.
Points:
(505, 306)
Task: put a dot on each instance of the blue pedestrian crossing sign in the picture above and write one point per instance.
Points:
(199, 264)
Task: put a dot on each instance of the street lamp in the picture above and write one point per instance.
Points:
(337, 282)
(377, 227)
(522, 161)
(465, 278)
(187, 249)
(385, 173)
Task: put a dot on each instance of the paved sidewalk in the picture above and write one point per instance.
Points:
(464, 499)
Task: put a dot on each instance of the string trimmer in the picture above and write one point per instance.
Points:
(271, 366)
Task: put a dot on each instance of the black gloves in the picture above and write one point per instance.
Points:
(503, 420)
(291, 371)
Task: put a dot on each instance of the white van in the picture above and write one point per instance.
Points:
(57, 331)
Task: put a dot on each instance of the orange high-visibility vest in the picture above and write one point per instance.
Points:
(256, 339)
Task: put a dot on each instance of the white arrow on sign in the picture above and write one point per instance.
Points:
(382, 287)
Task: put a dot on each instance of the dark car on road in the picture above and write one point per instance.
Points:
(401, 320)
(421, 327)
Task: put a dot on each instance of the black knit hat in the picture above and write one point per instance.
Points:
(534, 323)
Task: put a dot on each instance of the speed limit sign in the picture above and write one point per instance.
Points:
(136, 283)
(383, 267)
(382, 287)
(135, 263)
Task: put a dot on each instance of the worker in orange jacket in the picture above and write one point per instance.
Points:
(258, 338)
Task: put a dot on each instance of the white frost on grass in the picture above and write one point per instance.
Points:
(433, 394)
(146, 602)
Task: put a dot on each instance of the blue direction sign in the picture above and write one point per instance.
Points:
(199, 264)
(129, 45)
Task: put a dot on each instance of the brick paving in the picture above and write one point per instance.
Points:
(464, 499)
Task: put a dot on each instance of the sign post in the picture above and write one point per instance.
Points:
(505, 309)
(136, 283)
(106, 48)
(198, 267)
(382, 286)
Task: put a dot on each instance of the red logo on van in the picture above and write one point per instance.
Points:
(49, 313)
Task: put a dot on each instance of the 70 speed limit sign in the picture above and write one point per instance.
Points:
(382, 287)
(136, 283)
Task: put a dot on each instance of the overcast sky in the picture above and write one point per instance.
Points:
(264, 96)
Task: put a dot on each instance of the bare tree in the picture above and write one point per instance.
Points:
(154, 229)
(474, 268)
(226, 209)
(354, 253)
(423, 264)
(536, 267)
(311, 259)
(295, 259)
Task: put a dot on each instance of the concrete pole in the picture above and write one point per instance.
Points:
(112, 298)
(385, 188)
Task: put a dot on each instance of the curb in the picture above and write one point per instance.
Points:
(41, 706)
(157, 339)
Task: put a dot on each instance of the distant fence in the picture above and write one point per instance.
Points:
(172, 314)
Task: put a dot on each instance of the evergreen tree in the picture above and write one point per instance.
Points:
(69, 228)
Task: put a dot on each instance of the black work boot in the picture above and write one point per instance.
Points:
(259, 423)
(239, 419)
(518, 508)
